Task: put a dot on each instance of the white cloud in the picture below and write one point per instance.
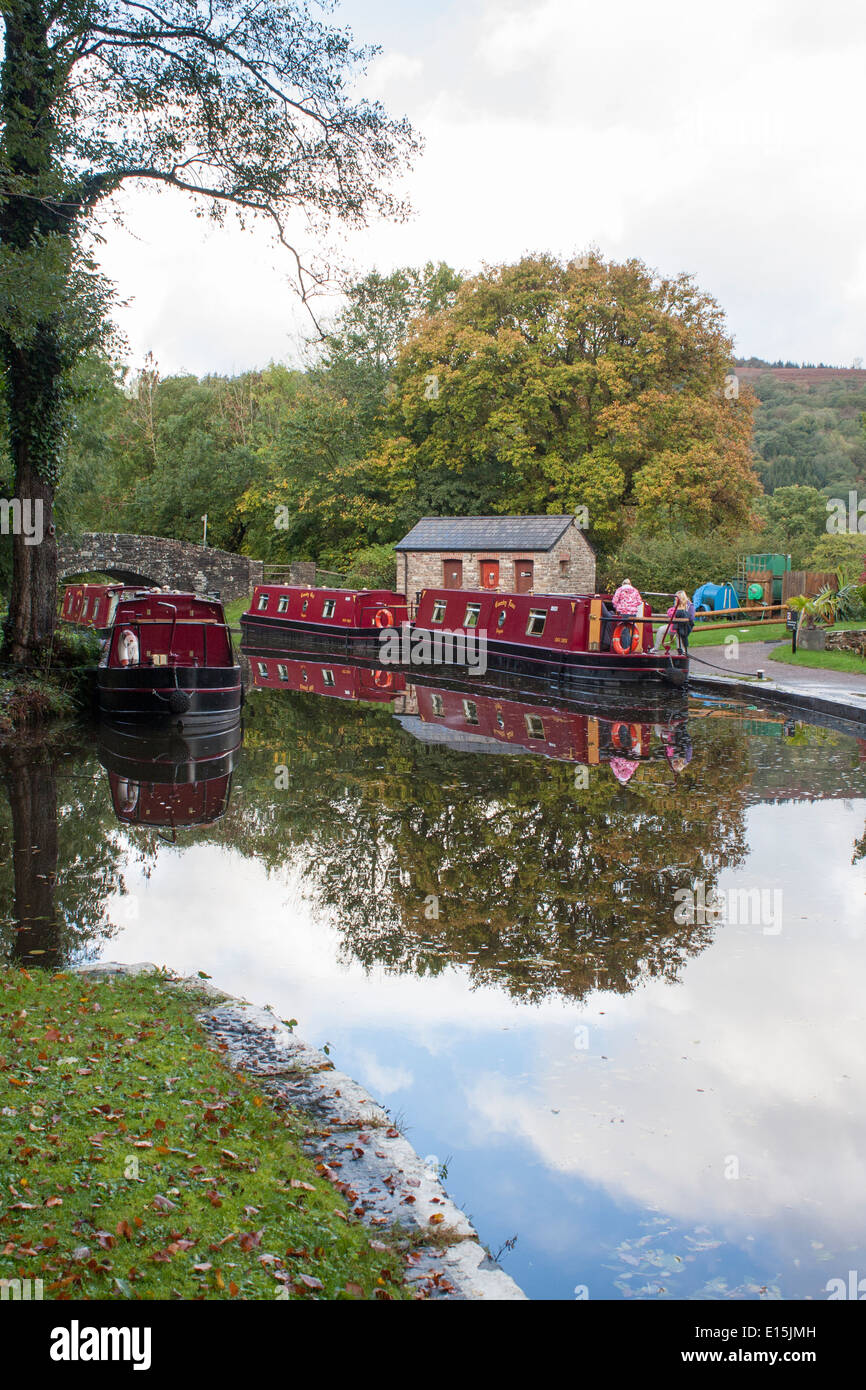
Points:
(724, 141)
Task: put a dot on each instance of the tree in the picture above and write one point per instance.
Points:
(547, 386)
(242, 104)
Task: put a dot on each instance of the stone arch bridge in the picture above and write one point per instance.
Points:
(149, 560)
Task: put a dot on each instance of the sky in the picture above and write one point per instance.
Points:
(720, 140)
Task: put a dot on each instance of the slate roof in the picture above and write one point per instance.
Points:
(485, 533)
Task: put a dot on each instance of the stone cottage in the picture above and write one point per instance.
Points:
(514, 554)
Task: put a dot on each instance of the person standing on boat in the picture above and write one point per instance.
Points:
(627, 601)
(682, 616)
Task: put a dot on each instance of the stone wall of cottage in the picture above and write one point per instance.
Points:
(569, 568)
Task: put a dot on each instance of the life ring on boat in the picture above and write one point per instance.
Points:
(627, 742)
(384, 679)
(384, 618)
(634, 640)
(128, 650)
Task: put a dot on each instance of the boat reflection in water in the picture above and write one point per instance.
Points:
(473, 717)
(168, 780)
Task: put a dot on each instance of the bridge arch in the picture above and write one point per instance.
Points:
(157, 560)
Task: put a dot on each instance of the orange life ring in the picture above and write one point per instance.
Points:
(384, 618)
(384, 679)
(633, 731)
(616, 641)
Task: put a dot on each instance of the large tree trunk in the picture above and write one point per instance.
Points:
(34, 403)
(31, 349)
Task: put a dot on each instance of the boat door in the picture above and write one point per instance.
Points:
(523, 576)
(453, 574)
(490, 574)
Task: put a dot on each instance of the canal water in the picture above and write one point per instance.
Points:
(606, 969)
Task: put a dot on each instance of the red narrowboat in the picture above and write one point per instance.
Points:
(576, 638)
(354, 617)
(339, 681)
(169, 664)
(94, 605)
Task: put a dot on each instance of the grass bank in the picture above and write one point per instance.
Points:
(135, 1164)
(826, 661)
(761, 632)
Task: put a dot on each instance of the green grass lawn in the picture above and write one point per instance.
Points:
(761, 632)
(828, 661)
(135, 1164)
(234, 610)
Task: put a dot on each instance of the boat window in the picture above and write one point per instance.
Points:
(537, 619)
(328, 676)
(436, 704)
(85, 608)
(283, 605)
(329, 608)
(263, 602)
(470, 711)
(263, 670)
(473, 611)
(304, 606)
(534, 725)
(500, 621)
(282, 671)
(438, 615)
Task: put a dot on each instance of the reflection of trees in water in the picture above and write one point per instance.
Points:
(59, 855)
(541, 887)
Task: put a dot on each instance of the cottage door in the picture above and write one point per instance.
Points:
(453, 578)
(490, 574)
(523, 576)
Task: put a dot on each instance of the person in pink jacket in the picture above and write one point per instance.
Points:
(627, 600)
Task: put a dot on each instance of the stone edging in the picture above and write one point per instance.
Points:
(389, 1182)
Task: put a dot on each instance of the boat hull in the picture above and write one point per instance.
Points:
(188, 699)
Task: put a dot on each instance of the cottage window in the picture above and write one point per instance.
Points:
(329, 608)
(263, 602)
(439, 607)
(473, 612)
(283, 605)
(470, 711)
(534, 725)
(537, 619)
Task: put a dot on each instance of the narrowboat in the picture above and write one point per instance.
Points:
(168, 780)
(475, 721)
(94, 605)
(334, 679)
(571, 638)
(169, 664)
(351, 617)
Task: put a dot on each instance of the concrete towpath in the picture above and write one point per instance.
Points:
(832, 692)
